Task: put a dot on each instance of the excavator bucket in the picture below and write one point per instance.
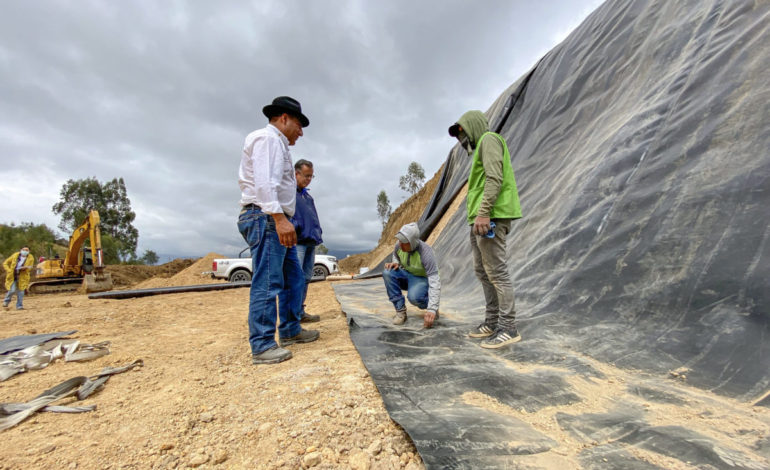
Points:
(97, 282)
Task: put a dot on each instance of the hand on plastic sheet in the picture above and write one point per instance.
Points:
(393, 266)
(428, 319)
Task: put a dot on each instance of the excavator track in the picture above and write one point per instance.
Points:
(92, 283)
(53, 286)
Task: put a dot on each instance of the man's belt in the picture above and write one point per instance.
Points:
(252, 206)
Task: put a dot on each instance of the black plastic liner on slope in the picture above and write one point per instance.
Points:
(640, 146)
(640, 150)
(128, 294)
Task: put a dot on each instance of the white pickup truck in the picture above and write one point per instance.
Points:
(239, 269)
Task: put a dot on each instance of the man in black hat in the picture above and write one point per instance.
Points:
(268, 192)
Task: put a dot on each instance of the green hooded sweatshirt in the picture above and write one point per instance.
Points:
(492, 188)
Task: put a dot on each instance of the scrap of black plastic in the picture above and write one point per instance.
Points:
(128, 294)
(17, 343)
(640, 146)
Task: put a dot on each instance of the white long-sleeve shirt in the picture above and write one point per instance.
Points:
(266, 174)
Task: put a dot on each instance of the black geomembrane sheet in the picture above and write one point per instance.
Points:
(641, 146)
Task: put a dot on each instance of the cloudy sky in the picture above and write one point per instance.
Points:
(162, 93)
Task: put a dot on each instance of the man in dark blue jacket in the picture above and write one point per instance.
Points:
(308, 229)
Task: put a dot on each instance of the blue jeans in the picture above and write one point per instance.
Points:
(416, 288)
(19, 295)
(306, 255)
(276, 273)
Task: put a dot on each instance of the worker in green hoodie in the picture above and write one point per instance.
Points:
(492, 203)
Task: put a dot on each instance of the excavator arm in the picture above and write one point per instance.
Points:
(96, 280)
(54, 275)
(96, 241)
(89, 229)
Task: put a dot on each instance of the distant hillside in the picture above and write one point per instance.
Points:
(409, 211)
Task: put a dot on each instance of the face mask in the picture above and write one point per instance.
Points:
(465, 142)
(24, 252)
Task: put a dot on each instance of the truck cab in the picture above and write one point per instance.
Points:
(239, 269)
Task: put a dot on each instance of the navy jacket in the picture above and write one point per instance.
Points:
(306, 220)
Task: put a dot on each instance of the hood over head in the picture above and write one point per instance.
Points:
(409, 233)
(474, 124)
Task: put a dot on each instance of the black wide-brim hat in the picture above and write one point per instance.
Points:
(286, 104)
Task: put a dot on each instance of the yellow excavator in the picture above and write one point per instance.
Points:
(80, 266)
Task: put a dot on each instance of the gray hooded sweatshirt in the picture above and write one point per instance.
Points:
(411, 232)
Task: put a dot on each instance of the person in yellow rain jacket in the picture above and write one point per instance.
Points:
(17, 270)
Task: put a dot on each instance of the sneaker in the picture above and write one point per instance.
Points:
(310, 318)
(19, 308)
(304, 336)
(501, 338)
(400, 317)
(481, 331)
(5, 304)
(273, 355)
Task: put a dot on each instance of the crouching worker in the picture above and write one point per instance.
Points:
(413, 269)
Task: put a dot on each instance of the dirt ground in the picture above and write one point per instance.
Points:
(198, 401)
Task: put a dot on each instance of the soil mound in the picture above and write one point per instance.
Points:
(192, 274)
(128, 275)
